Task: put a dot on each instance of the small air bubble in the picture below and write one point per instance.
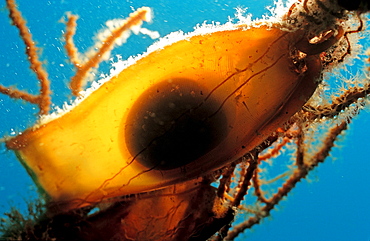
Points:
(12, 132)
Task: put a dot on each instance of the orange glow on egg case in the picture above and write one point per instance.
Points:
(226, 67)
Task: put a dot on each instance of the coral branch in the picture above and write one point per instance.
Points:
(18, 94)
(275, 151)
(43, 100)
(299, 173)
(253, 161)
(83, 70)
(70, 47)
(328, 143)
(225, 180)
(339, 104)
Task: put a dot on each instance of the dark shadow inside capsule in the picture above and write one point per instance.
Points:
(173, 123)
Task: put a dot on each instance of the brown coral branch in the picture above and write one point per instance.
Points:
(226, 180)
(328, 143)
(243, 187)
(274, 151)
(289, 134)
(253, 161)
(84, 69)
(43, 101)
(299, 173)
(70, 46)
(339, 104)
(18, 94)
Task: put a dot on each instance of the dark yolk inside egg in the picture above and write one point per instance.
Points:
(173, 123)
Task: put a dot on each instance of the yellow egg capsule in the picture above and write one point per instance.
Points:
(179, 112)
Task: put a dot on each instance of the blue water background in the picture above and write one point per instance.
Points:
(333, 205)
